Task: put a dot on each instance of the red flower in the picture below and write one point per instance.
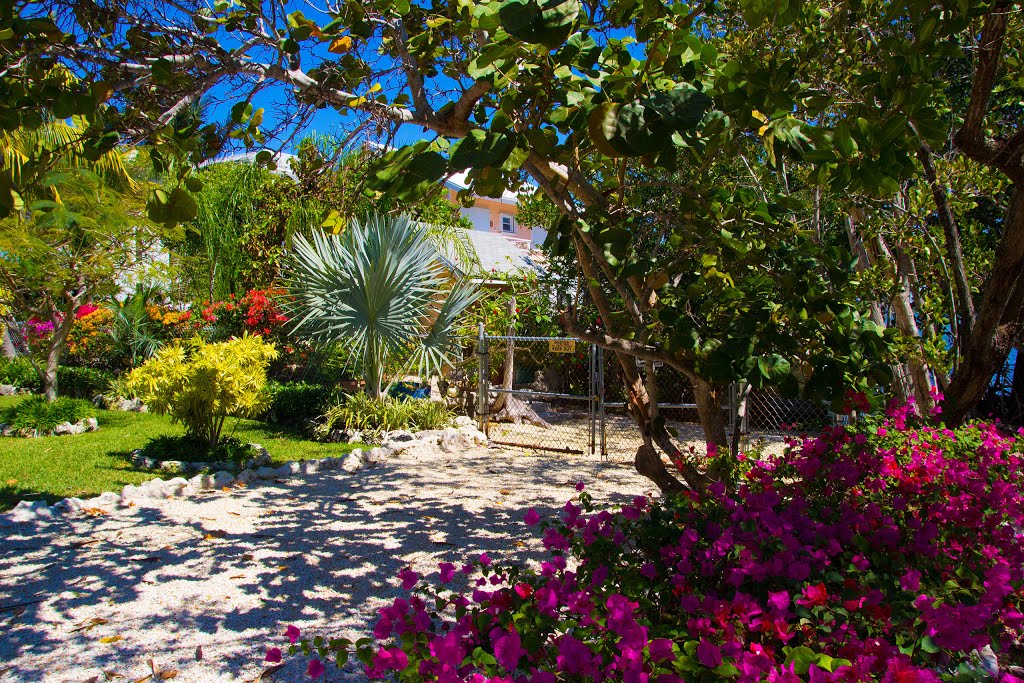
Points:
(814, 596)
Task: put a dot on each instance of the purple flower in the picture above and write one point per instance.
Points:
(447, 572)
(779, 601)
(409, 578)
(661, 650)
(531, 518)
(291, 633)
(273, 655)
(508, 648)
(315, 668)
(709, 654)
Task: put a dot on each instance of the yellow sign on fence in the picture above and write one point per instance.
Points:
(561, 345)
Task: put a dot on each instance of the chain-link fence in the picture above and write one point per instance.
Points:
(538, 393)
(565, 395)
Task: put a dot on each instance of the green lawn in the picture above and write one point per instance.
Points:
(86, 465)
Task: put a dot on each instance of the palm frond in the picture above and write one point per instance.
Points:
(377, 288)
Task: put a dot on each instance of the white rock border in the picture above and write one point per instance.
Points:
(86, 424)
(450, 440)
(261, 458)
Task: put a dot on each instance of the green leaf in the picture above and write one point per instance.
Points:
(547, 22)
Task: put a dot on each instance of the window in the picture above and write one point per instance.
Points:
(508, 223)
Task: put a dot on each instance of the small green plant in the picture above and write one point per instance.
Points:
(43, 416)
(364, 413)
(77, 382)
(201, 384)
(295, 403)
(190, 449)
(19, 372)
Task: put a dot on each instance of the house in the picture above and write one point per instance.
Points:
(495, 215)
(496, 254)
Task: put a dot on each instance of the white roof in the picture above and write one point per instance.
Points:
(497, 254)
(459, 181)
(280, 158)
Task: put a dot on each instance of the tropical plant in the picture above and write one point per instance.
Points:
(41, 415)
(380, 289)
(200, 384)
(135, 333)
(385, 413)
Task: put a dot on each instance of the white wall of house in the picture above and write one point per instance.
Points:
(537, 236)
(480, 217)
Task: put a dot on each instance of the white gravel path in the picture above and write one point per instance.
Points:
(203, 585)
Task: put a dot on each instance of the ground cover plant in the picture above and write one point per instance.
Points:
(41, 415)
(360, 412)
(185, 448)
(46, 469)
(886, 552)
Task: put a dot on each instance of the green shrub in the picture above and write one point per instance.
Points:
(360, 412)
(19, 373)
(39, 414)
(82, 382)
(200, 384)
(295, 403)
(190, 449)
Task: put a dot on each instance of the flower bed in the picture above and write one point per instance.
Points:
(889, 553)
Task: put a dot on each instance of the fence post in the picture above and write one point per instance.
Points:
(592, 402)
(600, 403)
(483, 369)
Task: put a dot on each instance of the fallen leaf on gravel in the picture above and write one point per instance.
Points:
(143, 679)
(93, 679)
(225, 489)
(247, 556)
(282, 568)
(505, 492)
(237, 576)
(215, 533)
(209, 519)
(269, 671)
(111, 639)
(168, 675)
(519, 544)
(79, 544)
(234, 513)
(199, 653)
(95, 511)
(148, 558)
(89, 624)
(111, 675)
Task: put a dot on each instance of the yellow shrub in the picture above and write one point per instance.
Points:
(200, 384)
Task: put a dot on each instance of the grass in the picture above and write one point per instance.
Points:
(86, 465)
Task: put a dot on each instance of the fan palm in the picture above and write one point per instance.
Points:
(378, 288)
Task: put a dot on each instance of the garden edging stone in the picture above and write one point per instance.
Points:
(159, 489)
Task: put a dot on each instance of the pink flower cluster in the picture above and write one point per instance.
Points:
(888, 552)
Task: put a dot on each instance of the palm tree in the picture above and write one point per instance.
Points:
(378, 288)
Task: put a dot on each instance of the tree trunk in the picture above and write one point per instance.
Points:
(900, 373)
(964, 315)
(998, 322)
(508, 371)
(8, 344)
(712, 417)
(61, 329)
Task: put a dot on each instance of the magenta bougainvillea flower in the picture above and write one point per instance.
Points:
(887, 551)
(315, 669)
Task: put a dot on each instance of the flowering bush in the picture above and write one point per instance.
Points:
(89, 341)
(256, 313)
(885, 552)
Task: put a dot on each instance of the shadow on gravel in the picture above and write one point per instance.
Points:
(321, 550)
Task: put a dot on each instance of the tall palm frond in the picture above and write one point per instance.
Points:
(378, 288)
(68, 142)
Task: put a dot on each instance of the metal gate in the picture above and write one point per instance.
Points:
(549, 397)
(565, 395)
